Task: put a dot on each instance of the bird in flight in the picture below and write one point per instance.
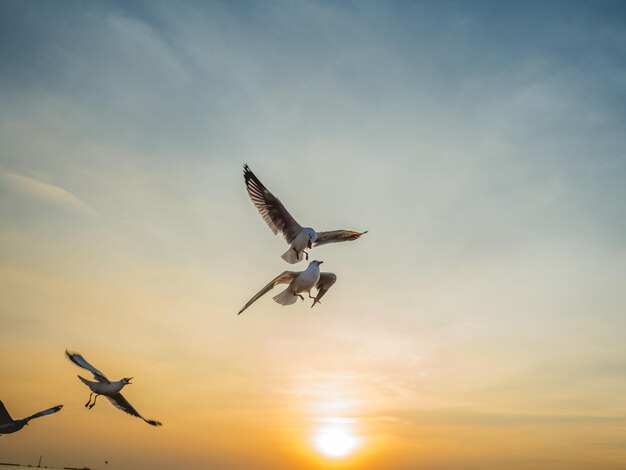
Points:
(280, 220)
(103, 386)
(299, 283)
(9, 425)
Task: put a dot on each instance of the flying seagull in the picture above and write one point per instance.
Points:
(9, 425)
(299, 283)
(104, 386)
(280, 220)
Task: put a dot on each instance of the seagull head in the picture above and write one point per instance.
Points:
(126, 381)
(316, 262)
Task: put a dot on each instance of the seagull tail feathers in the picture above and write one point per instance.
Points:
(286, 297)
(290, 256)
(85, 381)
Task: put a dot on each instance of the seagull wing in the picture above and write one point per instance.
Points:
(326, 281)
(49, 411)
(5, 417)
(270, 207)
(121, 403)
(284, 278)
(335, 236)
(81, 362)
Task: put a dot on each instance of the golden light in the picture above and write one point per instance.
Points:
(335, 441)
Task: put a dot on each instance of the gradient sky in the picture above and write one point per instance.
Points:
(479, 325)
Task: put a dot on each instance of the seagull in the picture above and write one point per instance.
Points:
(9, 425)
(104, 386)
(280, 220)
(299, 282)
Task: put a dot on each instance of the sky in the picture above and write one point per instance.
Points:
(478, 325)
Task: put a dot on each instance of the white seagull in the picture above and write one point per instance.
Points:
(299, 282)
(9, 425)
(104, 386)
(280, 220)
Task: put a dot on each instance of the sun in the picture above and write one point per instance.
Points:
(335, 441)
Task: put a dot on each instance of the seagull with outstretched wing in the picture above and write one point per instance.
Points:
(280, 221)
(103, 386)
(326, 281)
(9, 425)
(298, 283)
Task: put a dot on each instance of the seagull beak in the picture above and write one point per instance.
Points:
(319, 262)
(129, 381)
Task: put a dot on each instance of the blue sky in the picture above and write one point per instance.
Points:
(482, 144)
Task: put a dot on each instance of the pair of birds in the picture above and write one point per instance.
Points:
(299, 239)
(102, 386)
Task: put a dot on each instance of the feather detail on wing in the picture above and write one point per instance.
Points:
(335, 236)
(49, 411)
(326, 281)
(270, 207)
(5, 417)
(81, 362)
(121, 403)
(283, 278)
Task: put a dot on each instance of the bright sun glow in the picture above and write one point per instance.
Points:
(335, 441)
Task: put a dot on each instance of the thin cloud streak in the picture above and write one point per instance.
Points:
(44, 191)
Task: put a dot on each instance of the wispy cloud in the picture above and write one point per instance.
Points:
(44, 191)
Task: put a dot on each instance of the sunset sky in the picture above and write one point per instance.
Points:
(480, 323)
